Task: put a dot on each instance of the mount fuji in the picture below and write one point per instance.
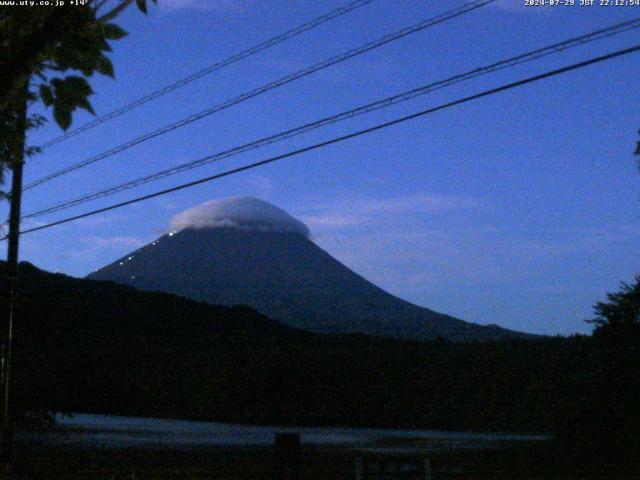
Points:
(243, 250)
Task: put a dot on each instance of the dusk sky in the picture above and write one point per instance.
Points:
(519, 209)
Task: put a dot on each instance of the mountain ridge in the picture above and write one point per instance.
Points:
(102, 347)
(287, 277)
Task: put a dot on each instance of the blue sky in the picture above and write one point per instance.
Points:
(519, 209)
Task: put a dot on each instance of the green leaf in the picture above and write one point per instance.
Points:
(46, 94)
(86, 66)
(62, 116)
(114, 32)
(84, 104)
(70, 93)
(78, 86)
(104, 46)
(142, 5)
(104, 66)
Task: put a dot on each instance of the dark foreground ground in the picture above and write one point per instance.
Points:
(234, 463)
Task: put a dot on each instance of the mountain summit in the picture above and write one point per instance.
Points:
(246, 251)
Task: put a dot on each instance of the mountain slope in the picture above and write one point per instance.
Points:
(285, 276)
(64, 310)
(91, 346)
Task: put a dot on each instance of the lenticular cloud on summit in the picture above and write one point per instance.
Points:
(245, 251)
(246, 213)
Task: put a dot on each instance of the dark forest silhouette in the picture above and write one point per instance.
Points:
(100, 347)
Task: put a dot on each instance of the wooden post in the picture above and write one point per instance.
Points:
(360, 464)
(11, 273)
(428, 472)
(287, 457)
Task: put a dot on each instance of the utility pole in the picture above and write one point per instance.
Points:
(11, 274)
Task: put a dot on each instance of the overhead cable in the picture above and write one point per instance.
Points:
(467, 7)
(343, 138)
(210, 69)
(368, 108)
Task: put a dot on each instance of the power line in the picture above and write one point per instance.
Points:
(467, 7)
(342, 138)
(370, 107)
(210, 69)
(269, 86)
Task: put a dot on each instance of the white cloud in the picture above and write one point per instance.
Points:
(169, 206)
(245, 213)
(95, 244)
(363, 211)
(104, 219)
(131, 242)
(416, 203)
(28, 223)
(332, 220)
(260, 184)
(581, 240)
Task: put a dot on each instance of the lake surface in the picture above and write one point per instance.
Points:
(113, 432)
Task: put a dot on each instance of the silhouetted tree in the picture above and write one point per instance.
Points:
(38, 45)
(620, 315)
(608, 435)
